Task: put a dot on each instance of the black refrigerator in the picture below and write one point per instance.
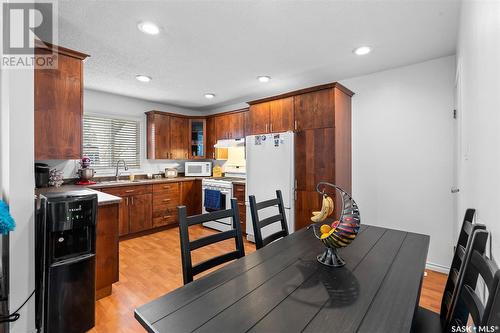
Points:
(65, 237)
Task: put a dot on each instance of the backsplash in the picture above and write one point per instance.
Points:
(70, 167)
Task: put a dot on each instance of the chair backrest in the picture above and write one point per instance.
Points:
(463, 247)
(259, 224)
(483, 314)
(188, 270)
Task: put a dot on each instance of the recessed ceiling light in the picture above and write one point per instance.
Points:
(263, 78)
(362, 50)
(148, 28)
(209, 96)
(143, 78)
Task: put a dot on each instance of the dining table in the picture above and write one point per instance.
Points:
(283, 288)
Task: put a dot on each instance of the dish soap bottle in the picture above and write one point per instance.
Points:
(217, 171)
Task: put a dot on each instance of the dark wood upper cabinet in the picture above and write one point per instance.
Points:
(314, 109)
(158, 135)
(211, 139)
(236, 125)
(179, 138)
(258, 118)
(221, 127)
(59, 107)
(281, 115)
(198, 138)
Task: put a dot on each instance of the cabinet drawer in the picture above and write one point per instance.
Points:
(164, 210)
(166, 187)
(128, 190)
(166, 199)
(243, 213)
(164, 220)
(239, 192)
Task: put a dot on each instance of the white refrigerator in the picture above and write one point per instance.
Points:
(270, 167)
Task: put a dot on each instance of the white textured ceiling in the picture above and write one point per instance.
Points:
(222, 46)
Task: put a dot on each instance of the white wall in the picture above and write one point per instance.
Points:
(478, 58)
(17, 187)
(107, 104)
(402, 136)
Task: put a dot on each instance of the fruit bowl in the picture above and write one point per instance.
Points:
(340, 233)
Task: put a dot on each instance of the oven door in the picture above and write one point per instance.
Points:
(221, 224)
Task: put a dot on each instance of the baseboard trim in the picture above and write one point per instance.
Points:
(437, 268)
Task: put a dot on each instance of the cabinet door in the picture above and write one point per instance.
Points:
(198, 138)
(58, 110)
(258, 119)
(179, 138)
(315, 109)
(210, 150)
(306, 203)
(281, 114)
(236, 125)
(314, 157)
(191, 196)
(140, 212)
(158, 136)
(221, 127)
(123, 224)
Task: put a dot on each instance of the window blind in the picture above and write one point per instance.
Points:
(107, 140)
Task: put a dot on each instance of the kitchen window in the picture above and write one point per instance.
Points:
(107, 140)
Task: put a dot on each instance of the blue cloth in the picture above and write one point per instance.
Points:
(6, 221)
(213, 200)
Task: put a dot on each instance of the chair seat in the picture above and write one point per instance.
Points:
(426, 321)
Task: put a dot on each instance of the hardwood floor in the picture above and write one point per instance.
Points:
(150, 266)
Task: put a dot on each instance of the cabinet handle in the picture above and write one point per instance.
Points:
(132, 200)
(213, 155)
(295, 124)
(166, 216)
(271, 127)
(267, 125)
(166, 200)
(126, 201)
(166, 187)
(129, 191)
(240, 190)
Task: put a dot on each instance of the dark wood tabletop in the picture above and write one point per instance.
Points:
(282, 288)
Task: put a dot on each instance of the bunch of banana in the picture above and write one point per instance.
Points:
(326, 209)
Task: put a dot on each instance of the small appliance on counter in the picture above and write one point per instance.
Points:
(217, 171)
(171, 170)
(41, 175)
(85, 173)
(193, 169)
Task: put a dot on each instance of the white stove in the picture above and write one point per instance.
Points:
(225, 186)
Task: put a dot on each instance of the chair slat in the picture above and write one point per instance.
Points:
(473, 303)
(267, 203)
(215, 261)
(485, 268)
(467, 227)
(454, 276)
(267, 221)
(212, 216)
(207, 240)
(461, 252)
(273, 237)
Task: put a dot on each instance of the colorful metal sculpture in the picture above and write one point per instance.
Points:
(343, 232)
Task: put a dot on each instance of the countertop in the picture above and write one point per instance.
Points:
(126, 182)
(102, 198)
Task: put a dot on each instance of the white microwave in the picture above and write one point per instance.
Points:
(198, 169)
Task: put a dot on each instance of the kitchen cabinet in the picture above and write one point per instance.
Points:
(158, 135)
(136, 210)
(167, 136)
(239, 194)
(271, 117)
(211, 138)
(315, 109)
(106, 261)
(191, 196)
(198, 138)
(179, 138)
(230, 126)
(166, 198)
(58, 106)
(305, 203)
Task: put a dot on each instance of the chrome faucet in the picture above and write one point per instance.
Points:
(117, 175)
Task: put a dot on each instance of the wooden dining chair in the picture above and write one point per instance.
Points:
(428, 321)
(188, 269)
(484, 315)
(259, 224)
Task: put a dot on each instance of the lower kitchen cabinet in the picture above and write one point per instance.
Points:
(239, 194)
(191, 196)
(306, 203)
(140, 212)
